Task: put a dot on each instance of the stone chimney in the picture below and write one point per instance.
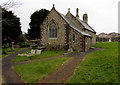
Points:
(85, 18)
(77, 12)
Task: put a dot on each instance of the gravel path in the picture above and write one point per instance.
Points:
(64, 72)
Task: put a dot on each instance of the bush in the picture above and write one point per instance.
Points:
(21, 46)
(6, 46)
(4, 52)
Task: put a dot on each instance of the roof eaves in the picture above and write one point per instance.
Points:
(86, 26)
(83, 33)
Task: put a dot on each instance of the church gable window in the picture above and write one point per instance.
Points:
(53, 31)
(73, 38)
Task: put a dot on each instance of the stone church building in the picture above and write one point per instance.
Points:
(65, 32)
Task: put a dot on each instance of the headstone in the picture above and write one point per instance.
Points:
(32, 51)
(70, 50)
(38, 52)
(30, 46)
(110, 40)
(19, 54)
(12, 46)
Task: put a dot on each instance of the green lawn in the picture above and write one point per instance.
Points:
(9, 51)
(44, 54)
(98, 67)
(32, 72)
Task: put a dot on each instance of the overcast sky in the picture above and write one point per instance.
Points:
(102, 14)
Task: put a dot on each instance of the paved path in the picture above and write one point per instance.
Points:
(1, 80)
(59, 76)
(8, 73)
(65, 71)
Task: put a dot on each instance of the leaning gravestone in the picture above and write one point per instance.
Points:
(38, 52)
(32, 51)
(12, 46)
(70, 50)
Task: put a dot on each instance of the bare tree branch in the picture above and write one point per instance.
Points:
(10, 4)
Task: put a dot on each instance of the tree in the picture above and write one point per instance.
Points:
(36, 19)
(11, 28)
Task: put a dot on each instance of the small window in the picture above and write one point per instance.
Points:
(73, 37)
(53, 31)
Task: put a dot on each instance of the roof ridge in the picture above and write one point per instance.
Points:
(72, 25)
(83, 22)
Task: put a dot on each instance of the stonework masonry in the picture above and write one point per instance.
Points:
(64, 39)
(93, 36)
(58, 42)
(76, 45)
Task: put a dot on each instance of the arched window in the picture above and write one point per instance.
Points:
(53, 31)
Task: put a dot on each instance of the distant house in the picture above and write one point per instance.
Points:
(104, 37)
(65, 32)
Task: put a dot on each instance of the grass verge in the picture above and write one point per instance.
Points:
(98, 67)
(44, 54)
(32, 72)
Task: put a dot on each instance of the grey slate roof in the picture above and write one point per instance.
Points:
(86, 26)
(71, 24)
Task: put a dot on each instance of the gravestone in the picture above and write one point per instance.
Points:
(110, 40)
(70, 50)
(32, 51)
(12, 46)
(38, 52)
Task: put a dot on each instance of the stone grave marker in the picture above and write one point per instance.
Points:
(70, 50)
(38, 52)
(32, 51)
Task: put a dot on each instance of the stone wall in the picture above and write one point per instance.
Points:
(93, 36)
(58, 42)
(78, 24)
(88, 43)
(64, 34)
(76, 45)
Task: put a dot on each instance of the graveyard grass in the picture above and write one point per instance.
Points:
(9, 51)
(44, 54)
(32, 72)
(98, 67)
